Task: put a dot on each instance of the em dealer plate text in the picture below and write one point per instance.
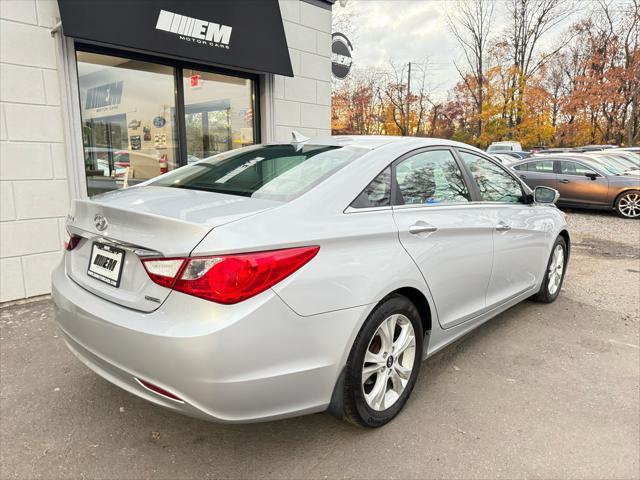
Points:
(106, 263)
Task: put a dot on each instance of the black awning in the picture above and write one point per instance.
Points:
(246, 34)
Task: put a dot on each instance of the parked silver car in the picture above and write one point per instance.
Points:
(278, 280)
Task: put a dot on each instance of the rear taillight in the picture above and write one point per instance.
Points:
(228, 279)
(71, 241)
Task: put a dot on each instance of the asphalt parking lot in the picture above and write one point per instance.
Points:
(543, 391)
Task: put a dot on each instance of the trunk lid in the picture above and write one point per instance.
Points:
(147, 221)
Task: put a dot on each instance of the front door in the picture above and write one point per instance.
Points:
(449, 239)
(520, 229)
(579, 184)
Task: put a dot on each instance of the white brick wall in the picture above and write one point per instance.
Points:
(34, 190)
(302, 103)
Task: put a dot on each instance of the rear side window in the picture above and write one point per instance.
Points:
(272, 172)
(494, 183)
(377, 193)
(541, 166)
(429, 178)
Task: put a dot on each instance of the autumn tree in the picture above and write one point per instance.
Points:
(471, 25)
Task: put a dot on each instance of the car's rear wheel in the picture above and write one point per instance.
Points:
(384, 363)
(554, 274)
(628, 204)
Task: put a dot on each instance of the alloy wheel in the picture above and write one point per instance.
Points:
(556, 269)
(388, 362)
(629, 205)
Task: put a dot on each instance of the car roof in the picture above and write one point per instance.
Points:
(588, 160)
(372, 142)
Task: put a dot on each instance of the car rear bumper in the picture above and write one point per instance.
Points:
(257, 360)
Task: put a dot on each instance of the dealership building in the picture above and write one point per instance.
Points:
(100, 95)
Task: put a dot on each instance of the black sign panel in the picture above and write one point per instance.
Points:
(246, 34)
(341, 60)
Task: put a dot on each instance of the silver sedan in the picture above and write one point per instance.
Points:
(278, 280)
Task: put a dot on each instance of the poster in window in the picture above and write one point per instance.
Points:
(135, 142)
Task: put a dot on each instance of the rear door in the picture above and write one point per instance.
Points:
(449, 239)
(520, 229)
(580, 184)
(538, 173)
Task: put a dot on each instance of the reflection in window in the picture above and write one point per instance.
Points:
(128, 120)
(431, 177)
(377, 193)
(218, 113)
(494, 183)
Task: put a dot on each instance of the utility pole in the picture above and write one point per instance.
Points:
(408, 123)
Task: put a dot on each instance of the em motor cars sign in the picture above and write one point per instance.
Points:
(341, 59)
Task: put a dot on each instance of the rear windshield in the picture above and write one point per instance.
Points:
(272, 172)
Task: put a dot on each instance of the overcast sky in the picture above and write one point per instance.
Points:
(415, 30)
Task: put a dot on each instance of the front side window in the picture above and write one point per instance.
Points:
(377, 193)
(574, 168)
(272, 172)
(429, 178)
(494, 183)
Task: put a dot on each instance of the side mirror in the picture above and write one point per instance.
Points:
(591, 175)
(545, 195)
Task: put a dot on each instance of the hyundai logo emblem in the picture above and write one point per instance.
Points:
(100, 221)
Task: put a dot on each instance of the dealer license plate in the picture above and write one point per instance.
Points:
(106, 263)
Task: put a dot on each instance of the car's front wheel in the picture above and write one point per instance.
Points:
(384, 363)
(554, 274)
(628, 204)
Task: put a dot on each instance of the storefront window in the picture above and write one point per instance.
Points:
(218, 113)
(128, 120)
(130, 123)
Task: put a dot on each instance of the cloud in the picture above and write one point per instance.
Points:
(410, 30)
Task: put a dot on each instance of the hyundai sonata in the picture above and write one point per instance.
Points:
(278, 280)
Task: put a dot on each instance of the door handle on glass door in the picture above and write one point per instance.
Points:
(421, 227)
(502, 227)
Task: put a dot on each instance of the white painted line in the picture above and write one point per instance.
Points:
(625, 344)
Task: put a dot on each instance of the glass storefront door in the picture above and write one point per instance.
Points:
(132, 119)
(218, 113)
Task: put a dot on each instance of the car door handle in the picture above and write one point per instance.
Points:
(419, 228)
(564, 180)
(502, 227)
(523, 176)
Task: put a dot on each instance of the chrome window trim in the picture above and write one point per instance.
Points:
(351, 209)
(432, 206)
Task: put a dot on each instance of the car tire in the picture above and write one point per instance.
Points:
(554, 273)
(360, 402)
(628, 204)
